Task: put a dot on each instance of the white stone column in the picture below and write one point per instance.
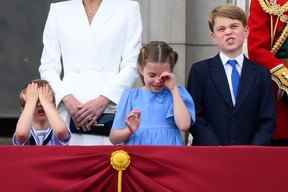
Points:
(165, 20)
(244, 4)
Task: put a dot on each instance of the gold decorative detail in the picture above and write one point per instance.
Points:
(274, 9)
(120, 161)
(280, 77)
(280, 41)
(284, 18)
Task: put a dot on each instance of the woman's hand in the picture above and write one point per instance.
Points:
(90, 112)
(73, 105)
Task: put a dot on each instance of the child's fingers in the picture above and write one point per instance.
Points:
(44, 89)
(34, 85)
(31, 90)
(130, 115)
(47, 92)
(136, 113)
(40, 91)
(133, 116)
(31, 87)
(165, 74)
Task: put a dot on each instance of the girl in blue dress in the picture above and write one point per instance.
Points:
(159, 111)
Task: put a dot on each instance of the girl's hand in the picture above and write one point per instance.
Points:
(169, 80)
(133, 120)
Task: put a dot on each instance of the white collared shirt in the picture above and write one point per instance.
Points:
(228, 70)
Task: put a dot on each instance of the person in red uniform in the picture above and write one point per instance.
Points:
(268, 45)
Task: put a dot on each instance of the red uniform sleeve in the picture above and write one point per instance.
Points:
(259, 40)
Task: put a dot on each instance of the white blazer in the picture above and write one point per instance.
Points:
(98, 59)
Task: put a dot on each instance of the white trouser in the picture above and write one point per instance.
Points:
(85, 139)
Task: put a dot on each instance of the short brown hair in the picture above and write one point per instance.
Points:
(158, 52)
(40, 83)
(228, 11)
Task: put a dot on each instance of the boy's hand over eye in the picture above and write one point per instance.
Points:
(45, 94)
(31, 94)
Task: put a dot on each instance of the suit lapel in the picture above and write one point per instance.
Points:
(219, 78)
(246, 81)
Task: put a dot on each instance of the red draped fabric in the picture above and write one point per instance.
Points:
(197, 169)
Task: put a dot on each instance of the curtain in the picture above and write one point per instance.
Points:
(163, 168)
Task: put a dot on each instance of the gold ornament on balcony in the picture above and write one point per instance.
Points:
(120, 160)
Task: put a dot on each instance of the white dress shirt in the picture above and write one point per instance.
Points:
(228, 70)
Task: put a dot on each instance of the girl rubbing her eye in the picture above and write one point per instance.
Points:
(156, 113)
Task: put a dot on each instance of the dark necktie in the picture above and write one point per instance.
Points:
(235, 77)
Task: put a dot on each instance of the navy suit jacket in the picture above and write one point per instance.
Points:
(218, 122)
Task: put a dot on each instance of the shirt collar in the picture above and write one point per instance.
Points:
(224, 58)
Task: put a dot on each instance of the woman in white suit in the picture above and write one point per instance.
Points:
(95, 44)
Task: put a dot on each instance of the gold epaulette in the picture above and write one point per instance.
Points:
(280, 77)
(280, 41)
(276, 10)
(273, 9)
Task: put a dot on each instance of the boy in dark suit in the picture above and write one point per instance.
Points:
(233, 95)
